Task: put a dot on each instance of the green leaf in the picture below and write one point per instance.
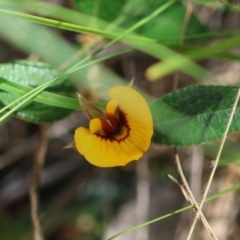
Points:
(194, 115)
(32, 74)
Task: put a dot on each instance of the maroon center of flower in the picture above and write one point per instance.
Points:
(114, 125)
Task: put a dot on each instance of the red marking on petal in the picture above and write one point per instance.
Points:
(112, 133)
(113, 120)
(106, 127)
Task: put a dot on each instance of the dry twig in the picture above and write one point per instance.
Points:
(189, 195)
(35, 179)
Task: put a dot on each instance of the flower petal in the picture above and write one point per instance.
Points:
(137, 114)
(95, 125)
(132, 103)
(104, 152)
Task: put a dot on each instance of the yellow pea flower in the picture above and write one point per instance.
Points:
(120, 135)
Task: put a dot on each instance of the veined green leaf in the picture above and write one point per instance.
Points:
(194, 115)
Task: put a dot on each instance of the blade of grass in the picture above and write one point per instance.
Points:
(51, 98)
(75, 17)
(215, 196)
(45, 97)
(61, 13)
(141, 43)
(196, 71)
(78, 28)
(70, 15)
(29, 96)
(55, 50)
(228, 56)
(161, 69)
(25, 99)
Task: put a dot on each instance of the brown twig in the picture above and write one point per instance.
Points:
(190, 197)
(35, 179)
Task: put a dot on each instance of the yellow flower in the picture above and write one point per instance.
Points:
(120, 135)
